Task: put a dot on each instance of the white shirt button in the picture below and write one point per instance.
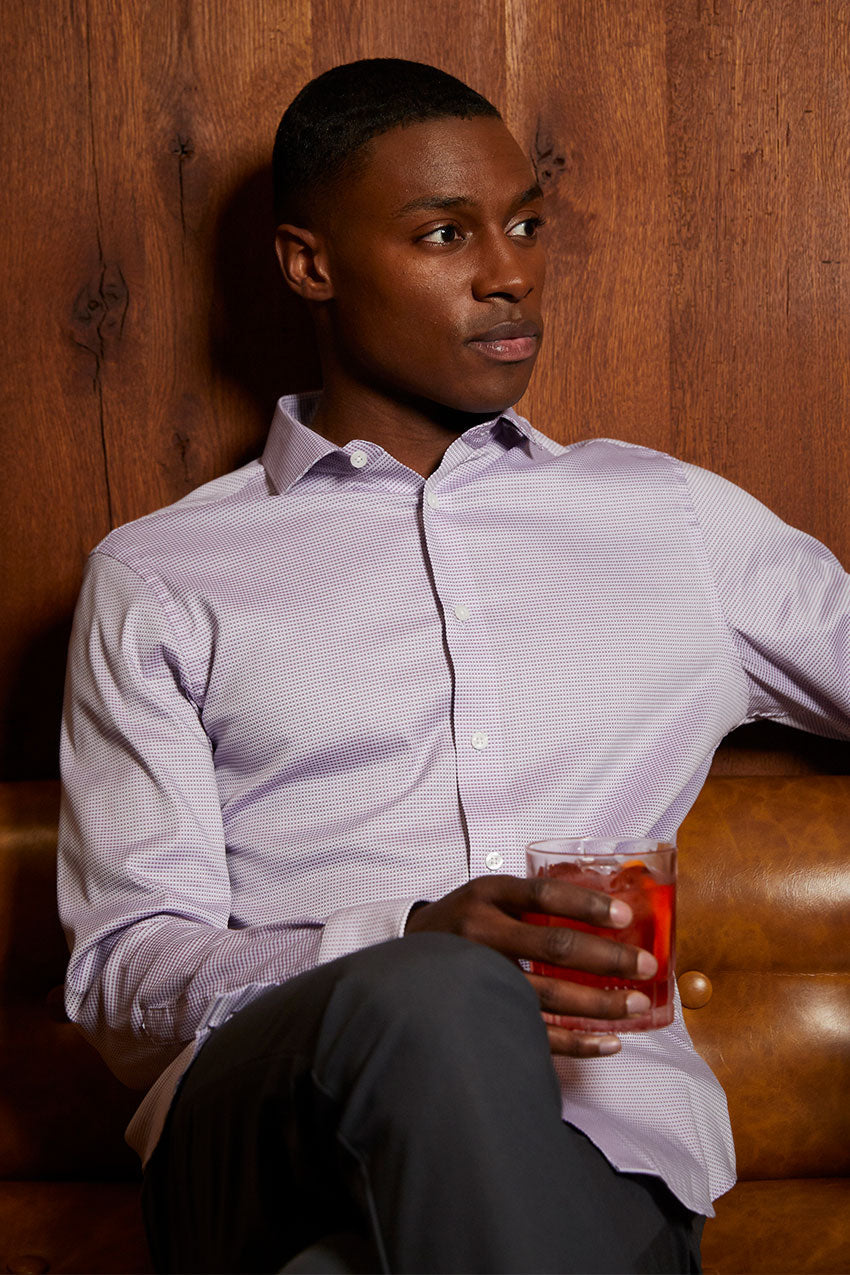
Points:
(359, 459)
(433, 501)
(480, 740)
(494, 860)
(462, 611)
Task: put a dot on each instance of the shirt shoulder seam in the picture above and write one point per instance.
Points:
(186, 503)
(179, 632)
(682, 473)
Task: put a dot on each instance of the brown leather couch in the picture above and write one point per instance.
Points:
(764, 960)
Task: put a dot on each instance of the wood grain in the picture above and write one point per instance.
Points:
(696, 156)
(52, 465)
(588, 99)
(759, 133)
(186, 103)
(467, 40)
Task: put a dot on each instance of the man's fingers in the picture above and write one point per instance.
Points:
(576, 949)
(489, 910)
(582, 1044)
(561, 996)
(556, 897)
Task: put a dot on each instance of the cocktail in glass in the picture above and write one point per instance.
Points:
(643, 874)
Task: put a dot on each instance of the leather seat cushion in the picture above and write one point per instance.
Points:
(780, 1226)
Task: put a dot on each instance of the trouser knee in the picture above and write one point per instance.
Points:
(440, 987)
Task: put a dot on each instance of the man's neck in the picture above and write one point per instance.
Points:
(417, 435)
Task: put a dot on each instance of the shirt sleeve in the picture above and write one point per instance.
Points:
(786, 601)
(143, 883)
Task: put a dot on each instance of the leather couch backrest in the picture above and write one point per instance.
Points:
(764, 906)
(62, 1113)
(764, 903)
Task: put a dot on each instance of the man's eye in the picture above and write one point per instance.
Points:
(443, 234)
(528, 227)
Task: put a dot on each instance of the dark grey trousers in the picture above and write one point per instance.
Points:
(395, 1110)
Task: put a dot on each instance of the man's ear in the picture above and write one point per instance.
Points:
(303, 260)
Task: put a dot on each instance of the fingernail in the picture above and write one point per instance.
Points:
(609, 1045)
(646, 965)
(637, 1002)
(619, 913)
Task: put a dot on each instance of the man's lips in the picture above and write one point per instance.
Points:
(510, 342)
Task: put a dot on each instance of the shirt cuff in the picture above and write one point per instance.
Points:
(363, 925)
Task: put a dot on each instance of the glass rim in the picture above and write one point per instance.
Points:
(599, 847)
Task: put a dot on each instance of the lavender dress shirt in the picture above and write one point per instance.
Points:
(321, 688)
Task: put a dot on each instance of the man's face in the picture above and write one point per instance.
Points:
(430, 246)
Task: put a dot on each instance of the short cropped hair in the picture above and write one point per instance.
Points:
(325, 128)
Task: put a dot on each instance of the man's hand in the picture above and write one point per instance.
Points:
(488, 910)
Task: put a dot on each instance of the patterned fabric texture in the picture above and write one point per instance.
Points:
(321, 688)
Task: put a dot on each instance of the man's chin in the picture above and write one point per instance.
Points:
(486, 402)
(467, 401)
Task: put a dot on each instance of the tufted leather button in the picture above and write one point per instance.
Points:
(695, 989)
(27, 1264)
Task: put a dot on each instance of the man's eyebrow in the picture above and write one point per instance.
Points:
(439, 203)
(533, 192)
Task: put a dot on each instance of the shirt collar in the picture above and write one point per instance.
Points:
(293, 448)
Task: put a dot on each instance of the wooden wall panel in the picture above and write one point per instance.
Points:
(760, 287)
(759, 140)
(467, 40)
(185, 102)
(697, 159)
(587, 86)
(54, 490)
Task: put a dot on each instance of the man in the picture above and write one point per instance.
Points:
(316, 709)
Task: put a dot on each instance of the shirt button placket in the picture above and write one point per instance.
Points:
(459, 615)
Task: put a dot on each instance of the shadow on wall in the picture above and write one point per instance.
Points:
(33, 707)
(769, 748)
(261, 342)
(261, 334)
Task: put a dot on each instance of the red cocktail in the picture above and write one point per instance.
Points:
(643, 874)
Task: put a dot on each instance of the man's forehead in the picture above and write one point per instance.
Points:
(437, 163)
(436, 203)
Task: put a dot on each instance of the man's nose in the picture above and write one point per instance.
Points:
(504, 269)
